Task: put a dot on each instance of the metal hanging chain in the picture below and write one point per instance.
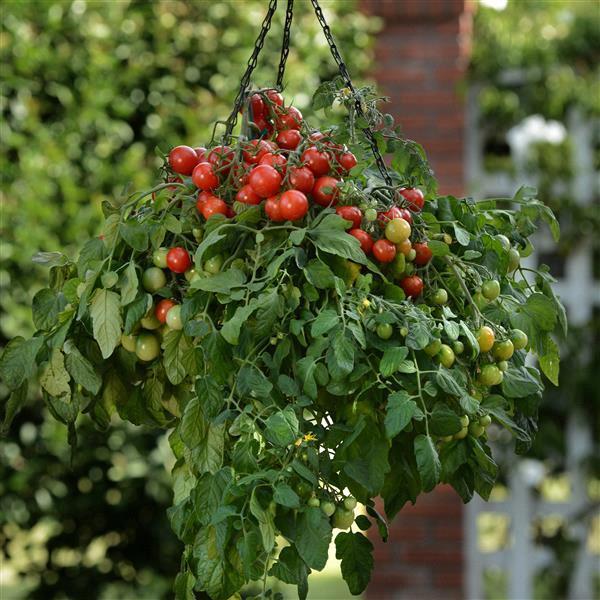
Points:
(346, 76)
(252, 62)
(285, 44)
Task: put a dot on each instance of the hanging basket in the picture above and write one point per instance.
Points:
(313, 327)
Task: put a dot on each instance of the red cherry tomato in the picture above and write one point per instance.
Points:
(221, 157)
(325, 192)
(200, 153)
(288, 118)
(414, 197)
(384, 250)
(315, 136)
(347, 161)
(263, 126)
(255, 150)
(277, 161)
(275, 97)
(247, 195)
(350, 213)
(302, 179)
(316, 161)
(204, 177)
(293, 205)
(162, 308)
(272, 209)
(366, 241)
(393, 213)
(412, 286)
(178, 259)
(214, 206)
(230, 212)
(289, 139)
(265, 180)
(201, 200)
(257, 106)
(406, 215)
(424, 253)
(183, 159)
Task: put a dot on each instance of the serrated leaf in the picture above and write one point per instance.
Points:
(444, 421)
(281, 428)
(178, 356)
(135, 235)
(12, 405)
(399, 412)
(519, 382)
(313, 537)
(45, 308)
(356, 553)
(81, 369)
(325, 321)
(286, 496)
(438, 248)
(428, 462)
(106, 320)
(448, 381)
(129, 284)
(330, 236)
(392, 359)
(54, 378)
(17, 363)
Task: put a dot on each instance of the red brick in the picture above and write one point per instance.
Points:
(448, 578)
(431, 556)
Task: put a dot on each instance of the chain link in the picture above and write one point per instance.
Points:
(285, 44)
(252, 62)
(346, 76)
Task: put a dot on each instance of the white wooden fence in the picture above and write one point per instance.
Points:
(519, 558)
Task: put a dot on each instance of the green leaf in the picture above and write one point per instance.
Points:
(290, 568)
(418, 335)
(449, 381)
(539, 310)
(471, 339)
(438, 248)
(252, 381)
(178, 356)
(193, 425)
(208, 455)
(343, 350)
(519, 382)
(54, 378)
(286, 496)
(444, 421)
(306, 373)
(319, 274)
(17, 363)
(313, 537)
(221, 283)
(12, 405)
(129, 284)
(106, 320)
(135, 235)
(462, 235)
(135, 311)
(356, 553)
(550, 361)
(392, 360)
(428, 462)
(265, 521)
(330, 236)
(281, 428)
(45, 308)
(81, 369)
(399, 413)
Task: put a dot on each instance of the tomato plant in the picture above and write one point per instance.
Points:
(310, 357)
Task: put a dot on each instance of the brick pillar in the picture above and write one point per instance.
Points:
(421, 57)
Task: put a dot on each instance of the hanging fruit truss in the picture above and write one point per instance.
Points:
(314, 328)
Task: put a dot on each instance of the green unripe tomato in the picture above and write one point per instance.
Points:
(213, 264)
(433, 348)
(490, 289)
(314, 502)
(150, 321)
(440, 297)
(446, 438)
(447, 238)
(412, 254)
(503, 350)
(174, 317)
(502, 365)
(403, 331)
(464, 420)
(239, 264)
(190, 274)
(458, 347)
(370, 215)
(350, 503)
(128, 342)
(342, 518)
(153, 279)
(485, 421)
(519, 339)
(304, 489)
(462, 434)
(397, 230)
(384, 331)
(490, 375)
(159, 258)
(197, 233)
(480, 300)
(147, 347)
(446, 355)
(398, 264)
(409, 269)
(514, 259)
(327, 508)
(476, 430)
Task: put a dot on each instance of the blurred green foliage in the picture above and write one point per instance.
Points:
(90, 90)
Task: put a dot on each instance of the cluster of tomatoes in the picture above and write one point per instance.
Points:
(290, 168)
